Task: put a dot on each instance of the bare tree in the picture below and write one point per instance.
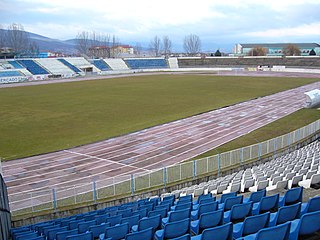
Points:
(115, 50)
(2, 37)
(192, 44)
(166, 46)
(258, 51)
(155, 46)
(291, 50)
(83, 42)
(138, 49)
(17, 38)
(33, 49)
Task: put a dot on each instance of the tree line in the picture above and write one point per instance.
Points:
(15, 39)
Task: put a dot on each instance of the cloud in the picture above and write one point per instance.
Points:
(215, 21)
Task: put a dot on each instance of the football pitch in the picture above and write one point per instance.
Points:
(46, 118)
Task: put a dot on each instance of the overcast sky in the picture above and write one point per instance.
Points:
(217, 22)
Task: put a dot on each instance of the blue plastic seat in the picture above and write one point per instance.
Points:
(38, 238)
(169, 199)
(146, 234)
(74, 224)
(251, 225)
(116, 232)
(114, 220)
(101, 218)
(238, 212)
(81, 236)
(206, 207)
(98, 229)
(52, 232)
(144, 223)
(175, 216)
(255, 196)
(173, 230)
(311, 206)
(183, 237)
(267, 204)
(142, 212)
(309, 223)
(204, 196)
(187, 198)
(63, 235)
(133, 220)
(162, 212)
(26, 236)
(195, 206)
(285, 214)
(84, 226)
(292, 196)
(279, 232)
(225, 196)
(229, 202)
(181, 206)
(207, 220)
(47, 229)
(125, 212)
(223, 232)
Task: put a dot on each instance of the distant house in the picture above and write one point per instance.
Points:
(275, 49)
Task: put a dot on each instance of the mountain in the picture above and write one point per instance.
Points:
(49, 44)
(55, 45)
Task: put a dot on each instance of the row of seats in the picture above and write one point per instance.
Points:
(10, 73)
(231, 216)
(33, 67)
(71, 66)
(101, 64)
(156, 63)
(298, 168)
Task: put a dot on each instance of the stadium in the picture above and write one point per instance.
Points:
(157, 173)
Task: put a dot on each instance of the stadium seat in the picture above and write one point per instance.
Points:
(308, 183)
(132, 220)
(225, 196)
(144, 223)
(238, 212)
(291, 196)
(268, 203)
(173, 230)
(220, 232)
(251, 225)
(84, 226)
(97, 230)
(63, 235)
(114, 220)
(285, 214)
(26, 236)
(183, 237)
(146, 234)
(116, 232)
(182, 206)
(205, 207)
(207, 220)
(52, 232)
(281, 232)
(175, 216)
(309, 223)
(229, 202)
(81, 236)
(255, 196)
(311, 206)
(162, 212)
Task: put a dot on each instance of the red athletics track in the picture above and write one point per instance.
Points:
(151, 148)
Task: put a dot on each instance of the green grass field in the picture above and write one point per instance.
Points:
(45, 118)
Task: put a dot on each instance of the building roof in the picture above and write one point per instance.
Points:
(279, 45)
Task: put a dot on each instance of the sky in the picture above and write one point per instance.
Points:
(219, 24)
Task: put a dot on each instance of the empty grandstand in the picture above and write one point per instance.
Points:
(101, 64)
(56, 67)
(150, 63)
(33, 67)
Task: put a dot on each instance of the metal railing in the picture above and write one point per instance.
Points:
(128, 185)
